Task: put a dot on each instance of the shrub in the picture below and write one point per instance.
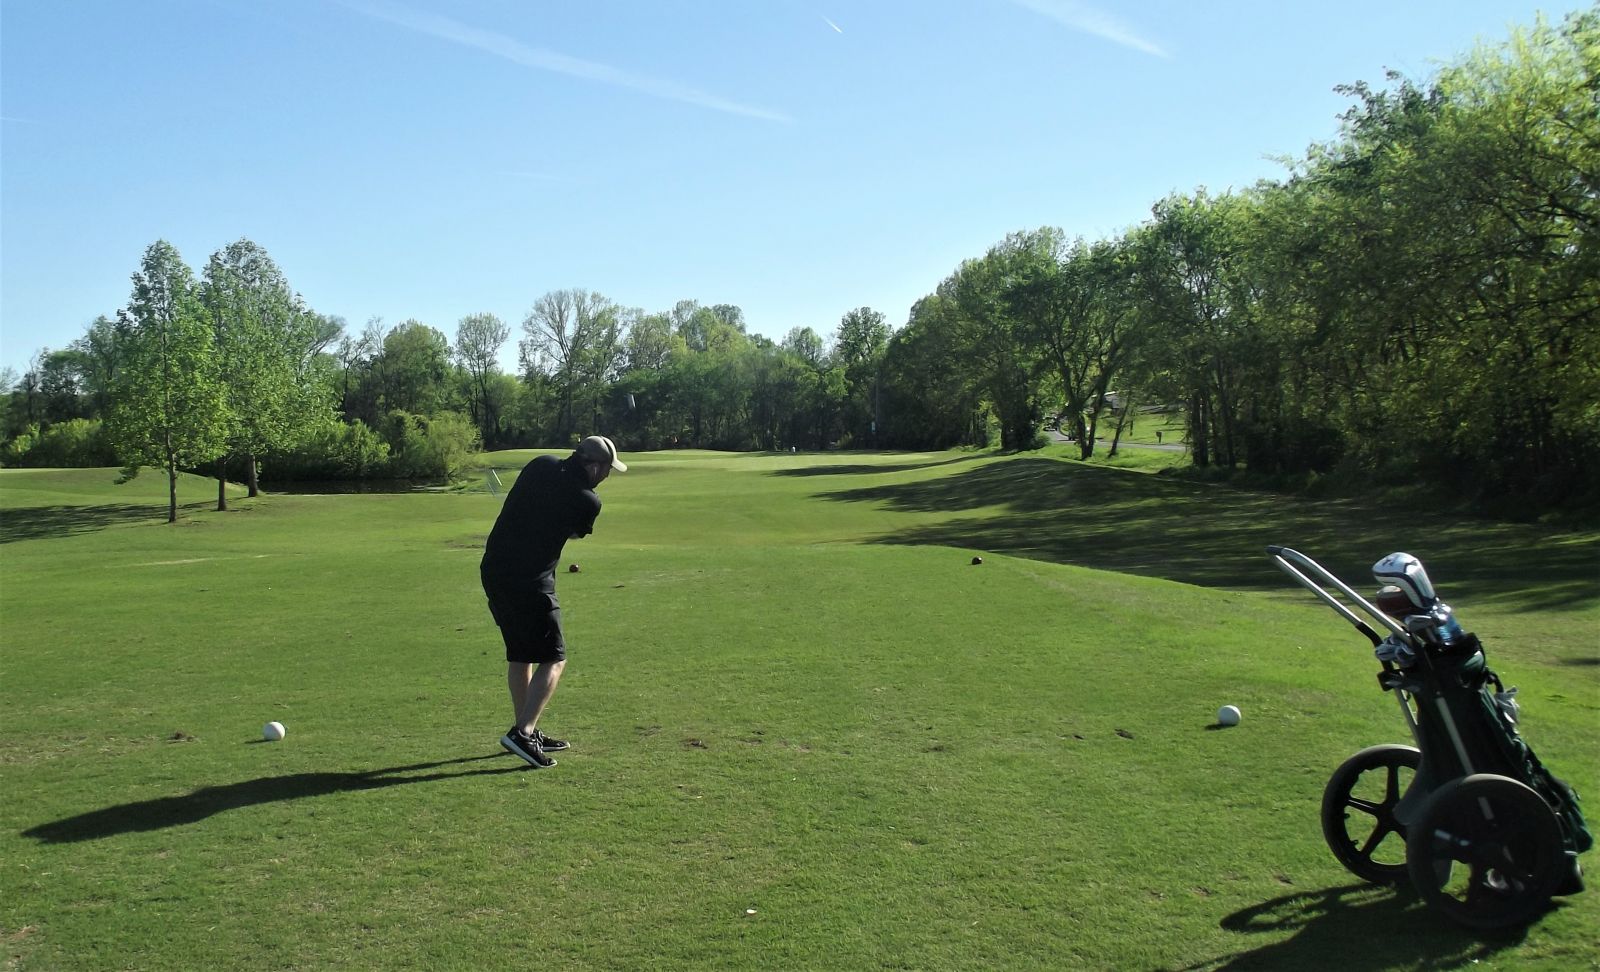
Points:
(15, 452)
(430, 448)
(76, 442)
(334, 451)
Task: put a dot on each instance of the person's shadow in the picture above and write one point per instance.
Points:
(1354, 928)
(178, 810)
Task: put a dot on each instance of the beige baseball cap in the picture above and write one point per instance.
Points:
(601, 449)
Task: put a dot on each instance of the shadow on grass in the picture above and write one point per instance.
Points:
(1214, 536)
(1355, 928)
(40, 522)
(202, 803)
(866, 469)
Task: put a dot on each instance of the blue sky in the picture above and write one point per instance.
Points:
(430, 160)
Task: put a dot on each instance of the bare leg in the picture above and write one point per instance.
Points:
(518, 675)
(537, 690)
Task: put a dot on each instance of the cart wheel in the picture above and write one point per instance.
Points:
(1358, 812)
(1486, 850)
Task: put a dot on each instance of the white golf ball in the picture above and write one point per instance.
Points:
(272, 731)
(1228, 715)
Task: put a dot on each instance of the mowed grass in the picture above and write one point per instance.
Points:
(807, 732)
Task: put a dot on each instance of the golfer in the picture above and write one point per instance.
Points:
(552, 500)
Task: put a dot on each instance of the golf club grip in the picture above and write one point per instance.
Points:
(1282, 557)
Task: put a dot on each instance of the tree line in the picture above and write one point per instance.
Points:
(1416, 302)
(230, 371)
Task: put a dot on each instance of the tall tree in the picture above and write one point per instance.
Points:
(1191, 278)
(575, 338)
(169, 404)
(807, 344)
(479, 338)
(994, 340)
(98, 356)
(731, 315)
(61, 385)
(8, 382)
(411, 368)
(357, 388)
(265, 341)
(648, 341)
(858, 348)
(1077, 304)
(933, 399)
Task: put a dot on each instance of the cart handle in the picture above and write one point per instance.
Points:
(1282, 557)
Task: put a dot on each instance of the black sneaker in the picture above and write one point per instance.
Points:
(526, 748)
(546, 743)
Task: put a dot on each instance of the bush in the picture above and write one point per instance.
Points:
(15, 452)
(333, 451)
(74, 443)
(430, 448)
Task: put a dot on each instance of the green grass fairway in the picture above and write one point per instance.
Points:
(807, 732)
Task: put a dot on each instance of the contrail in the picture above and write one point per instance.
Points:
(831, 24)
(1081, 16)
(444, 28)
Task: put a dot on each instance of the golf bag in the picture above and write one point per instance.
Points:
(1489, 834)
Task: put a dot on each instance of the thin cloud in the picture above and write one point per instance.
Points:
(1081, 16)
(446, 29)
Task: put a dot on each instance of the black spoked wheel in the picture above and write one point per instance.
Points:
(1358, 812)
(1486, 850)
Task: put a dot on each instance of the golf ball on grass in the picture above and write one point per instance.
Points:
(272, 731)
(1228, 715)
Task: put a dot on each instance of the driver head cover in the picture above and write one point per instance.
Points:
(1405, 572)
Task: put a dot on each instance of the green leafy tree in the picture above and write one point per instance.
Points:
(573, 337)
(356, 382)
(858, 348)
(1191, 274)
(778, 381)
(411, 369)
(97, 356)
(479, 338)
(932, 399)
(61, 385)
(648, 342)
(8, 384)
(1076, 301)
(169, 406)
(806, 344)
(265, 341)
(991, 337)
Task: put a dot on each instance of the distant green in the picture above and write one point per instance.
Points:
(808, 733)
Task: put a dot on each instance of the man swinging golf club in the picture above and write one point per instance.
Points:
(551, 501)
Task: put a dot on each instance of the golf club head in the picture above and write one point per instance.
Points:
(1405, 572)
(1421, 624)
(1394, 602)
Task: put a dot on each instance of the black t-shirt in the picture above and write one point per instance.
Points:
(550, 501)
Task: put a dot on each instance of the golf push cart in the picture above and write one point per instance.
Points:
(1483, 831)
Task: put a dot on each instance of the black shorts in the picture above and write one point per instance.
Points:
(529, 620)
